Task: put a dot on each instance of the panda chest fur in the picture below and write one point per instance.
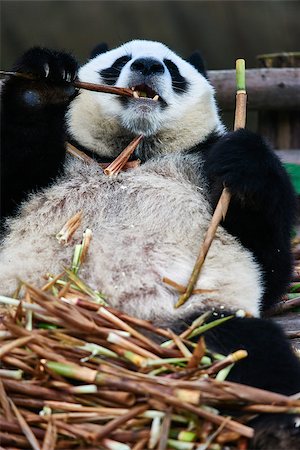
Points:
(147, 224)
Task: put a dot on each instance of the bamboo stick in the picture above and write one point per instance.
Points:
(4, 401)
(93, 376)
(13, 441)
(14, 427)
(217, 217)
(116, 166)
(230, 359)
(50, 436)
(25, 428)
(125, 92)
(72, 150)
(114, 424)
(13, 344)
(223, 203)
(104, 411)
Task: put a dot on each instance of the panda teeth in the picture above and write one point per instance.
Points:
(141, 94)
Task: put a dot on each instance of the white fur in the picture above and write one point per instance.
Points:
(147, 223)
(99, 120)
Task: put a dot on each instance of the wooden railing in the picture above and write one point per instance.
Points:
(275, 94)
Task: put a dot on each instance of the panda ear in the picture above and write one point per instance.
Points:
(197, 61)
(100, 48)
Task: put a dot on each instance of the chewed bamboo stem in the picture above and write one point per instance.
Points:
(116, 166)
(72, 150)
(224, 201)
(230, 359)
(66, 233)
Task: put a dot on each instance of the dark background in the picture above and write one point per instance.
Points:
(222, 30)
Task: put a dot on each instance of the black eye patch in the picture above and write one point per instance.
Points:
(111, 74)
(179, 83)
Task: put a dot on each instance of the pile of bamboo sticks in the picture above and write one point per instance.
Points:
(76, 373)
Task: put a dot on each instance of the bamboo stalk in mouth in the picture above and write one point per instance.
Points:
(125, 92)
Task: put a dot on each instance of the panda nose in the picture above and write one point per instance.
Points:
(147, 66)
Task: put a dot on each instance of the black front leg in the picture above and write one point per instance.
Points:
(262, 207)
(32, 124)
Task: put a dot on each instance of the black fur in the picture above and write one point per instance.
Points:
(99, 49)
(262, 208)
(264, 369)
(147, 66)
(276, 432)
(32, 125)
(179, 83)
(264, 341)
(270, 365)
(60, 64)
(196, 60)
(111, 74)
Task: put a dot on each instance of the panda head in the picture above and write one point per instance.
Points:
(169, 93)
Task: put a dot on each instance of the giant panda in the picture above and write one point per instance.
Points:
(148, 223)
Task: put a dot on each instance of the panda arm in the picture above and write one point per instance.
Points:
(32, 124)
(262, 207)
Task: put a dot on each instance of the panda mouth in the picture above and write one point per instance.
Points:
(143, 91)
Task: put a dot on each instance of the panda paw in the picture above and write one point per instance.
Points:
(52, 74)
(48, 64)
(276, 431)
(241, 160)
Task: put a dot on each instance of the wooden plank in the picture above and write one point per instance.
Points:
(290, 323)
(268, 89)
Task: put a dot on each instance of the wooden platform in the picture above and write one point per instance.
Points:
(290, 322)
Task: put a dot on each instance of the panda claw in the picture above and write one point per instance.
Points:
(46, 69)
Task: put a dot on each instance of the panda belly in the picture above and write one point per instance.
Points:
(147, 224)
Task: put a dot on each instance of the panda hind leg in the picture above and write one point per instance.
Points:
(276, 432)
(271, 364)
